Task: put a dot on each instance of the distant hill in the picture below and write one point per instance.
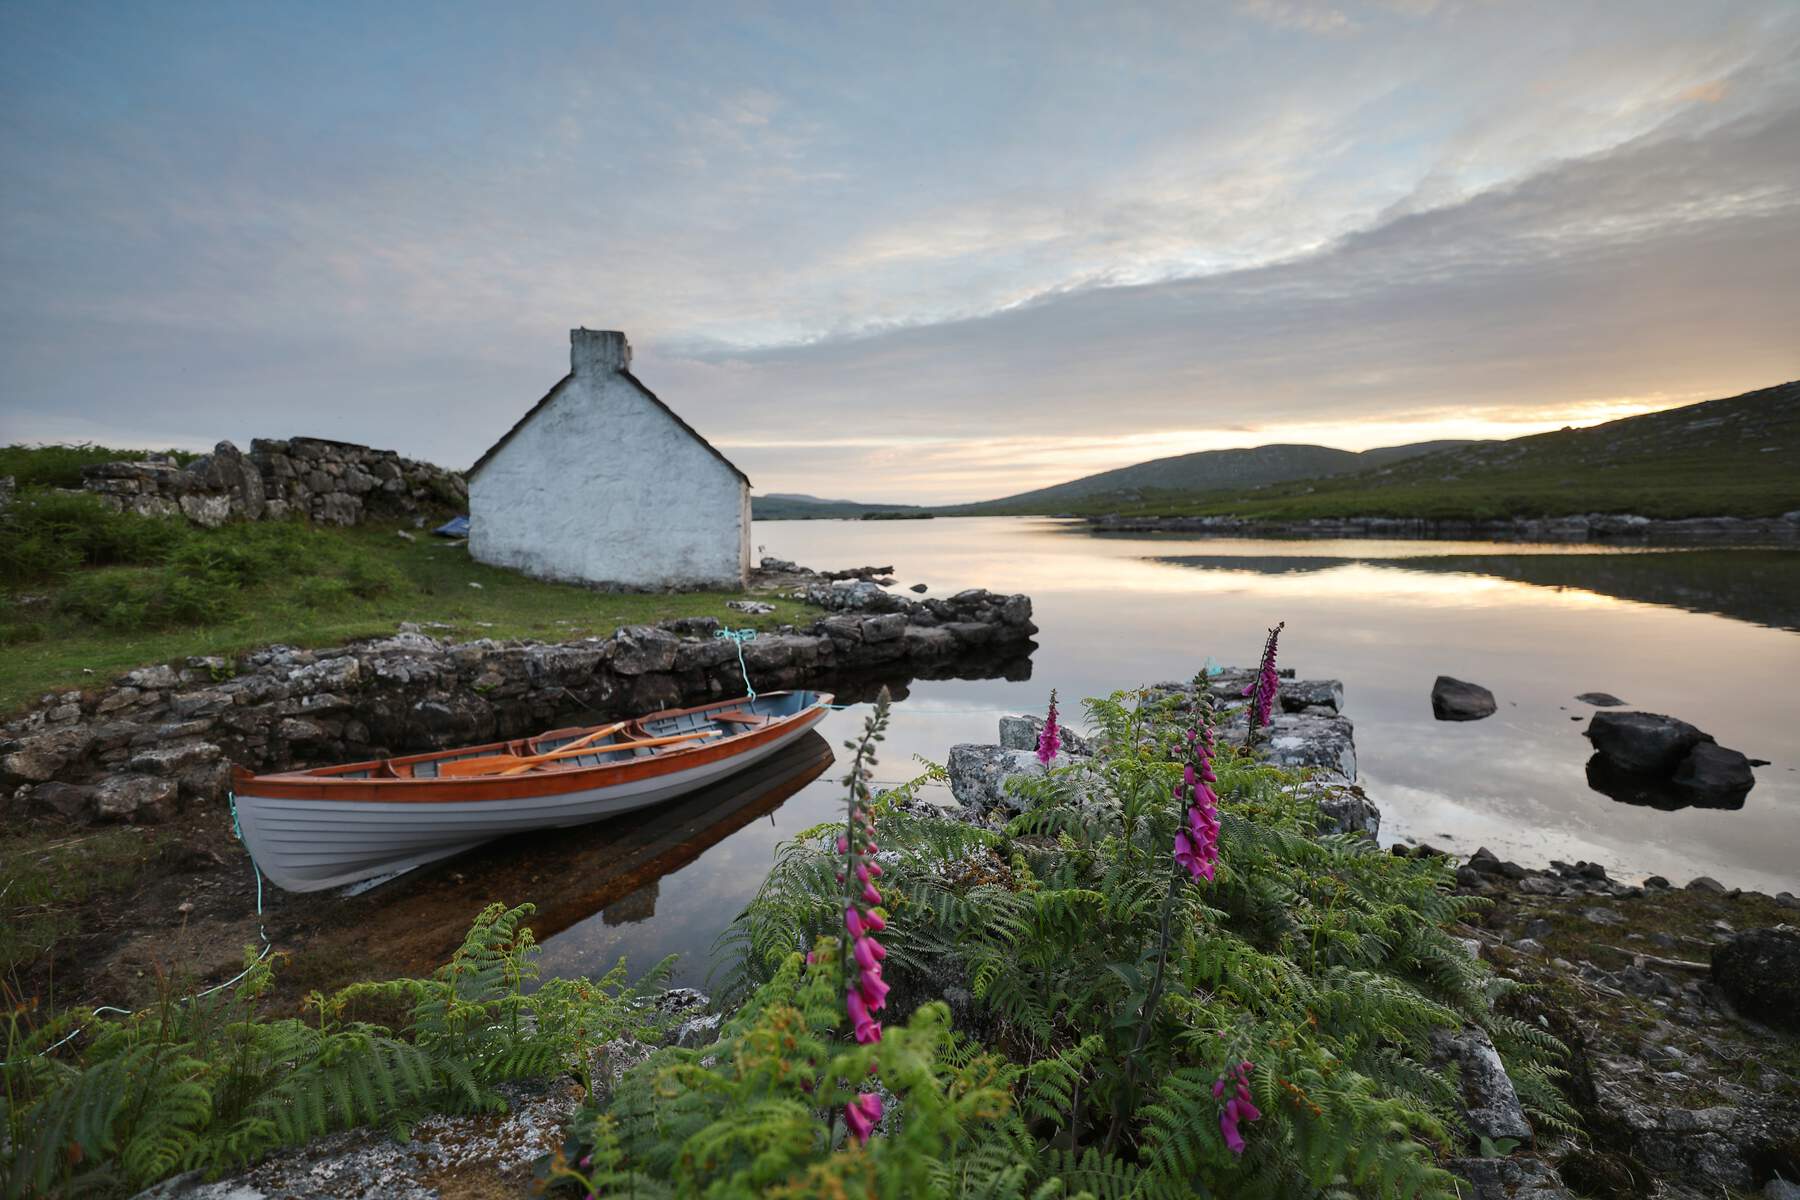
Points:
(1205, 471)
(797, 506)
(1733, 457)
(1208, 470)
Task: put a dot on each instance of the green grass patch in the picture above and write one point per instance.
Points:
(143, 591)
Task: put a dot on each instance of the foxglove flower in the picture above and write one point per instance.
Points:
(1197, 843)
(1239, 1108)
(862, 1115)
(1050, 740)
(1263, 688)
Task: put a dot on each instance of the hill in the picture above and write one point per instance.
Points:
(1733, 457)
(797, 506)
(1207, 470)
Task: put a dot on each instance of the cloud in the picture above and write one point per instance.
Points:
(932, 254)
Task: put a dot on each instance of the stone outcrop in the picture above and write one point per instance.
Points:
(163, 735)
(337, 483)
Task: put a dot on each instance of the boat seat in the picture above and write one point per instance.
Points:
(738, 716)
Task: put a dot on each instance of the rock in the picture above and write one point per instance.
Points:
(1510, 1179)
(1022, 733)
(1456, 700)
(61, 799)
(1656, 881)
(39, 758)
(1602, 916)
(1344, 808)
(1538, 928)
(1760, 970)
(1647, 743)
(1489, 1099)
(1710, 771)
(641, 649)
(1706, 883)
(1600, 699)
(1781, 1189)
(919, 588)
(978, 775)
(135, 798)
(1323, 744)
(753, 607)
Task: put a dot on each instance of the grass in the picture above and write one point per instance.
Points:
(60, 466)
(50, 877)
(149, 590)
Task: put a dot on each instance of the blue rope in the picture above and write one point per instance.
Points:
(237, 831)
(738, 637)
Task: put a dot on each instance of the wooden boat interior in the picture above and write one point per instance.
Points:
(595, 745)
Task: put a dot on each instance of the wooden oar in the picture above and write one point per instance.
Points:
(496, 764)
(577, 744)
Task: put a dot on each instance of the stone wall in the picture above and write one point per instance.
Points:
(334, 482)
(163, 735)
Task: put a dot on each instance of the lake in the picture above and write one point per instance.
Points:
(1707, 635)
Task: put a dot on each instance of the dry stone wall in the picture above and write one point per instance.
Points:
(338, 483)
(161, 736)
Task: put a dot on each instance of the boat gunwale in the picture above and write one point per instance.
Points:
(309, 785)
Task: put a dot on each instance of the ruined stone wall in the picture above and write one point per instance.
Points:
(333, 482)
(161, 736)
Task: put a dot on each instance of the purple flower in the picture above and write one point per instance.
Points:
(1197, 844)
(1240, 1108)
(862, 1115)
(1267, 683)
(1050, 740)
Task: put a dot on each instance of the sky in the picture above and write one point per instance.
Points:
(911, 252)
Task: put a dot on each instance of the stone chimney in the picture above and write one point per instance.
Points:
(598, 351)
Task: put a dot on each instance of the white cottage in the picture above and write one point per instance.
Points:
(602, 483)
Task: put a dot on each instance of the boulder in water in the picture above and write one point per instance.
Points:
(1456, 700)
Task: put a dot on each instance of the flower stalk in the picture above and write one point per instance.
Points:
(1262, 690)
(865, 992)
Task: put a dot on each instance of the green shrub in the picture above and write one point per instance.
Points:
(1125, 992)
(47, 533)
(60, 465)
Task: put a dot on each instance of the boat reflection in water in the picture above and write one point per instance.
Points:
(609, 907)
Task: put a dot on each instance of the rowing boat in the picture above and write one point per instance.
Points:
(329, 826)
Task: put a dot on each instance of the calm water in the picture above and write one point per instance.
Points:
(1705, 635)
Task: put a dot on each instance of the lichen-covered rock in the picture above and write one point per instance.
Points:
(979, 774)
(138, 798)
(1343, 808)
(1490, 1102)
(1022, 733)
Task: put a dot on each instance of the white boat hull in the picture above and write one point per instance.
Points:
(304, 845)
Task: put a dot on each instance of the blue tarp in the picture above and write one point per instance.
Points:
(454, 527)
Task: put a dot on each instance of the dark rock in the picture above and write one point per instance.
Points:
(1706, 883)
(1456, 700)
(61, 799)
(1645, 743)
(1759, 970)
(1711, 771)
(1652, 791)
(1600, 699)
(1605, 1175)
(920, 588)
(1656, 881)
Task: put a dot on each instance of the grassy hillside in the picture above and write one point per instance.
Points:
(1733, 457)
(86, 594)
(1206, 470)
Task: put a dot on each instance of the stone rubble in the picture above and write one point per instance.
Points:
(336, 483)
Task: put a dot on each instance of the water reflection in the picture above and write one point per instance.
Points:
(1762, 586)
(1630, 788)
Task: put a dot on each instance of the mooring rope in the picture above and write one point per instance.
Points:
(237, 831)
(737, 637)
